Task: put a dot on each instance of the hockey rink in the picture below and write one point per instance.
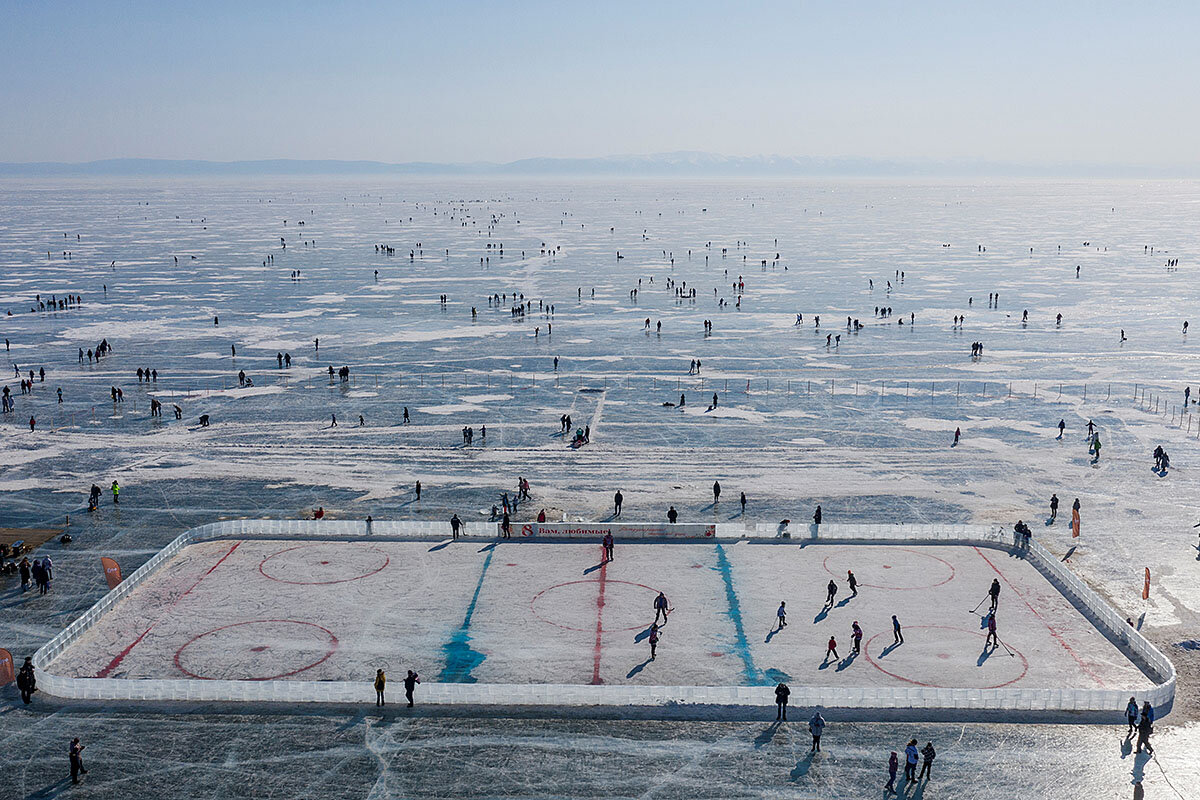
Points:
(540, 612)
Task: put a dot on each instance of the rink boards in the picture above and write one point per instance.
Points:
(306, 611)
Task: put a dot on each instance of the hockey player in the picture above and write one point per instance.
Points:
(782, 614)
(994, 593)
(660, 607)
(832, 593)
(853, 581)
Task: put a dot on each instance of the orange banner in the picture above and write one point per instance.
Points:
(1074, 523)
(112, 571)
(7, 674)
(1146, 586)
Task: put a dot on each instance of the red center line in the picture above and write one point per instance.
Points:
(1049, 627)
(104, 673)
(599, 618)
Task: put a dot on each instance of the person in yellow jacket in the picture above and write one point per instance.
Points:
(116, 490)
(380, 683)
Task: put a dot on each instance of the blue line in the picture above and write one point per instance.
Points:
(742, 647)
(461, 660)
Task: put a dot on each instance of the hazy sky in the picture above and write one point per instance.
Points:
(451, 81)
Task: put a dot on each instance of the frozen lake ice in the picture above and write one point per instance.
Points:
(862, 427)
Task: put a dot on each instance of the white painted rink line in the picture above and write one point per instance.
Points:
(550, 613)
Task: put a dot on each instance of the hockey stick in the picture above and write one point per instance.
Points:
(1002, 644)
(981, 602)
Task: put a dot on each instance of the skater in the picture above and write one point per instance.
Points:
(781, 700)
(853, 581)
(455, 523)
(1053, 507)
(618, 498)
(660, 607)
(832, 587)
(816, 726)
(716, 492)
(27, 682)
(910, 761)
(1062, 426)
(817, 517)
(927, 756)
(782, 614)
(608, 546)
(893, 766)
(831, 649)
(992, 639)
(856, 635)
(994, 593)
(76, 755)
(380, 683)
(1131, 714)
(957, 436)
(653, 638)
(410, 685)
(897, 632)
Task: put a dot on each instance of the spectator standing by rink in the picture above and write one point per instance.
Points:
(410, 685)
(927, 756)
(816, 726)
(380, 684)
(1131, 714)
(910, 761)
(893, 766)
(76, 755)
(27, 682)
(455, 524)
(781, 700)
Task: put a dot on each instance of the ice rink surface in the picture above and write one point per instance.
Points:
(862, 426)
(529, 612)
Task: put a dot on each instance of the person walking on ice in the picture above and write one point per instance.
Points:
(831, 650)
(1062, 426)
(116, 492)
(661, 607)
(617, 500)
(653, 638)
(781, 700)
(816, 726)
(853, 581)
(897, 633)
(1053, 508)
(380, 683)
(716, 492)
(781, 614)
(893, 766)
(994, 594)
(856, 635)
(410, 685)
(75, 754)
(832, 593)
(1131, 714)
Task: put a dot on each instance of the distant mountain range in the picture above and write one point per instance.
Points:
(680, 164)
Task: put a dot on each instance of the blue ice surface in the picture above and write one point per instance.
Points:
(741, 647)
(461, 660)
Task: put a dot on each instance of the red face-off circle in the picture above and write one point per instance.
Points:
(324, 563)
(883, 568)
(945, 658)
(256, 650)
(628, 606)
